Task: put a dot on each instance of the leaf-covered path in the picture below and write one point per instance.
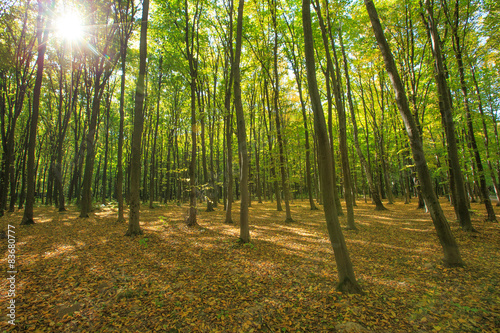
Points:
(84, 275)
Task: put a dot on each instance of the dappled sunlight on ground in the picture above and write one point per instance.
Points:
(83, 274)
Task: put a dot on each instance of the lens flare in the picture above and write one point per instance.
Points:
(69, 26)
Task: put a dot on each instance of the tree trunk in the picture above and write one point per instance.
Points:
(189, 40)
(277, 118)
(42, 46)
(365, 166)
(135, 171)
(461, 205)
(272, 159)
(347, 280)
(240, 124)
(153, 151)
(450, 248)
(119, 158)
(344, 152)
(486, 136)
(228, 120)
(106, 149)
(484, 193)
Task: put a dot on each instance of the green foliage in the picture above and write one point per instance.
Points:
(144, 242)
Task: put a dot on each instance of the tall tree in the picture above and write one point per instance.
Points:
(228, 122)
(135, 170)
(458, 47)
(362, 160)
(450, 247)
(191, 54)
(277, 115)
(347, 280)
(242, 136)
(124, 11)
(100, 68)
(42, 36)
(15, 80)
(298, 69)
(446, 108)
(157, 123)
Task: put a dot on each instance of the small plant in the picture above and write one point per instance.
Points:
(158, 303)
(222, 314)
(144, 242)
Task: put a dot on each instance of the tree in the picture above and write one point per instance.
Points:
(298, 69)
(334, 73)
(42, 36)
(135, 170)
(362, 160)
(100, 68)
(190, 34)
(15, 81)
(240, 124)
(125, 11)
(277, 115)
(450, 248)
(347, 280)
(446, 108)
(458, 48)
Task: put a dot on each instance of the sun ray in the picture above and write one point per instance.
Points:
(69, 26)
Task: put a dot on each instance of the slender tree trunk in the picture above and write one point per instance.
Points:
(365, 166)
(228, 120)
(42, 46)
(190, 53)
(257, 164)
(277, 118)
(484, 193)
(446, 108)
(153, 152)
(119, 158)
(135, 171)
(240, 124)
(22, 194)
(450, 248)
(106, 149)
(486, 136)
(297, 71)
(347, 280)
(86, 201)
(344, 152)
(272, 159)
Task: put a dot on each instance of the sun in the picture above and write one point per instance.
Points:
(70, 26)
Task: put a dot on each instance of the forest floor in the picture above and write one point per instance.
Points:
(84, 275)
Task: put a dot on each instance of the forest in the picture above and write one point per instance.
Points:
(250, 166)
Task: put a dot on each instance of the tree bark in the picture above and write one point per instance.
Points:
(277, 118)
(450, 248)
(135, 170)
(240, 124)
(228, 121)
(193, 71)
(486, 136)
(347, 280)
(42, 46)
(125, 31)
(445, 105)
(365, 166)
(153, 153)
(106, 148)
(458, 48)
